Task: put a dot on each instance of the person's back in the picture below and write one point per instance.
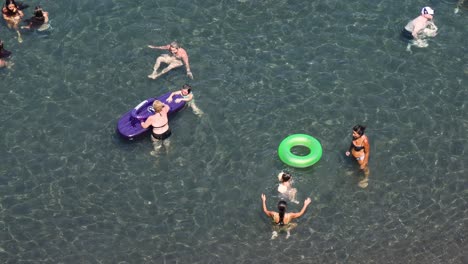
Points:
(39, 19)
(281, 219)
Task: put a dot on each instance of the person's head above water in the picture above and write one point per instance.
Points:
(282, 206)
(358, 130)
(186, 89)
(158, 106)
(38, 12)
(284, 176)
(427, 12)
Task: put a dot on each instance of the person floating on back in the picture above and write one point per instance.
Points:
(281, 219)
(177, 57)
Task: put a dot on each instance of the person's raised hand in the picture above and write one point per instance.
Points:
(307, 201)
(263, 197)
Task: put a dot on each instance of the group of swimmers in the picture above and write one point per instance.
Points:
(418, 28)
(159, 122)
(359, 149)
(13, 15)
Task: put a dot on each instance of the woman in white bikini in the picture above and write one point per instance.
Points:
(360, 150)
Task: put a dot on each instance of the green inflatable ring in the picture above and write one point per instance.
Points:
(285, 154)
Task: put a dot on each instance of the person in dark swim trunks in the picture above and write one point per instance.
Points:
(39, 19)
(160, 123)
(282, 220)
(417, 25)
(360, 150)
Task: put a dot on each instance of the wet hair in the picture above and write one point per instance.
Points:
(158, 106)
(8, 2)
(285, 177)
(38, 12)
(10, 12)
(174, 44)
(188, 87)
(359, 129)
(282, 210)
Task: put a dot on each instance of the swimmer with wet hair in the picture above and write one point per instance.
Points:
(187, 96)
(39, 20)
(13, 15)
(360, 150)
(281, 219)
(285, 187)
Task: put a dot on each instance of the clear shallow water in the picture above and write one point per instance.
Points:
(72, 191)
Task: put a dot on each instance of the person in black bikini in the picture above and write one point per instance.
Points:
(360, 150)
(281, 219)
(160, 123)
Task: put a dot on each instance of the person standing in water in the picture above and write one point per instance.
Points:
(177, 57)
(160, 123)
(281, 219)
(13, 15)
(360, 150)
(417, 25)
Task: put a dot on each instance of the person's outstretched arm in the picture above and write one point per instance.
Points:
(169, 99)
(299, 214)
(185, 58)
(166, 47)
(265, 210)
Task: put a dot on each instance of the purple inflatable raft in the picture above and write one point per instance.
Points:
(129, 124)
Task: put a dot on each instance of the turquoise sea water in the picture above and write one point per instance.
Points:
(73, 191)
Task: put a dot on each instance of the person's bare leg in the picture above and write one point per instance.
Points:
(156, 67)
(365, 182)
(168, 68)
(195, 108)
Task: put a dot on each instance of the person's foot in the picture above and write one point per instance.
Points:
(274, 235)
(364, 183)
(288, 234)
(295, 201)
(153, 75)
